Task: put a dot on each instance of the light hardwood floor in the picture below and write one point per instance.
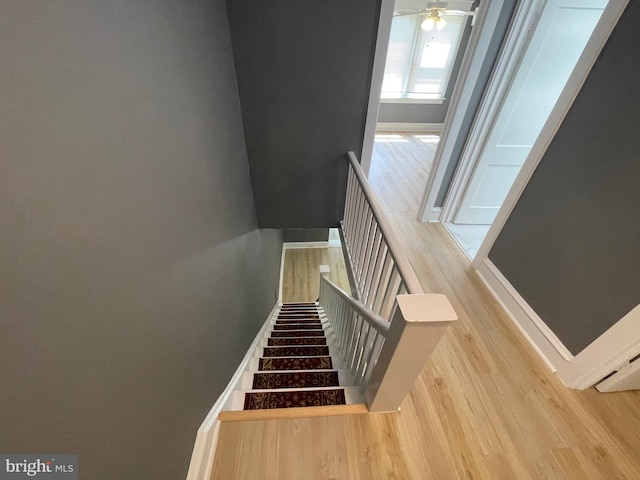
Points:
(301, 279)
(485, 406)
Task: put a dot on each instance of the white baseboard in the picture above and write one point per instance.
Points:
(435, 215)
(294, 245)
(606, 354)
(542, 339)
(207, 437)
(409, 127)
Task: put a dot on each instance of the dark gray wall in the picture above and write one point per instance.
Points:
(306, 235)
(304, 69)
(493, 51)
(571, 247)
(133, 277)
(390, 112)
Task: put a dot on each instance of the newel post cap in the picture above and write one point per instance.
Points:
(428, 307)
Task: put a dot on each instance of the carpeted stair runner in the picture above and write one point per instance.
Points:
(295, 380)
(281, 342)
(314, 398)
(296, 357)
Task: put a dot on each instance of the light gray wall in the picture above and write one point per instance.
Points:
(493, 51)
(133, 276)
(571, 247)
(304, 69)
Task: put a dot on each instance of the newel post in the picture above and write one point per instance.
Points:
(416, 328)
(324, 271)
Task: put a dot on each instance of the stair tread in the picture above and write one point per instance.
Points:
(298, 326)
(282, 342)
(292, 412)
(296, 351)
(305, 398)
(302, 363)
(295, 379)
(297, 333)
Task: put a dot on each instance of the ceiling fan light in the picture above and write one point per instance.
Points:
(440, 23)
(428, 24)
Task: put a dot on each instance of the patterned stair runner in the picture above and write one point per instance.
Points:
(296, 356)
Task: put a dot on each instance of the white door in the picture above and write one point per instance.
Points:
(559, 38)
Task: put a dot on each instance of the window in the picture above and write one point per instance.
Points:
(419, 62)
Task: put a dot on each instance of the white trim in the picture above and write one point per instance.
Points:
(296, 245)
(409, 127)
(434, 215)
(411, 100)
(598, 39)
(611, 350)
(539, 335)
(207, 437)
(607, 353)
(472, 63)
(513, 50)
(377, 77)
(281, 280)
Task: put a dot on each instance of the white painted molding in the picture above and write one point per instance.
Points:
(281, 281)
(409, 127)
(599, 37)
(539, 335)
(611, 350)
(377, 77)
(434, 215)
(513, 49)
(472, 62)
(295, 245)
(606, 354)
(204, 449)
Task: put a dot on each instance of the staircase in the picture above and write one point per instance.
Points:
(296, 364)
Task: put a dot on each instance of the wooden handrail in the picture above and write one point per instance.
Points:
(402, 263)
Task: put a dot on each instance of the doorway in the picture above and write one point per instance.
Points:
(543, 47)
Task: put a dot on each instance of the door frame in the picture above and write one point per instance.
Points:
(377, 76)
(620, 342)
(486, 19)
(512, 52)
(595, 44)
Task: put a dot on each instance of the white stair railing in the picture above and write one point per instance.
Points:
(385, 358)
(359, 332)
(389, 333)
(380, 269)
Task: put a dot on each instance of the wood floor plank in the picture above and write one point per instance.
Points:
(485, 406)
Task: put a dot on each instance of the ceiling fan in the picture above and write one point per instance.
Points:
(433, 14)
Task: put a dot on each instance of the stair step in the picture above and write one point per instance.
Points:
(345, 379)
(263, 381)
(300, 412)
(298, 326)
(237, 399)
(280, 342)
(296, 351)
(299, 398)
(297, 333)
(303, 321)
(299, 311)
(304, 363)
